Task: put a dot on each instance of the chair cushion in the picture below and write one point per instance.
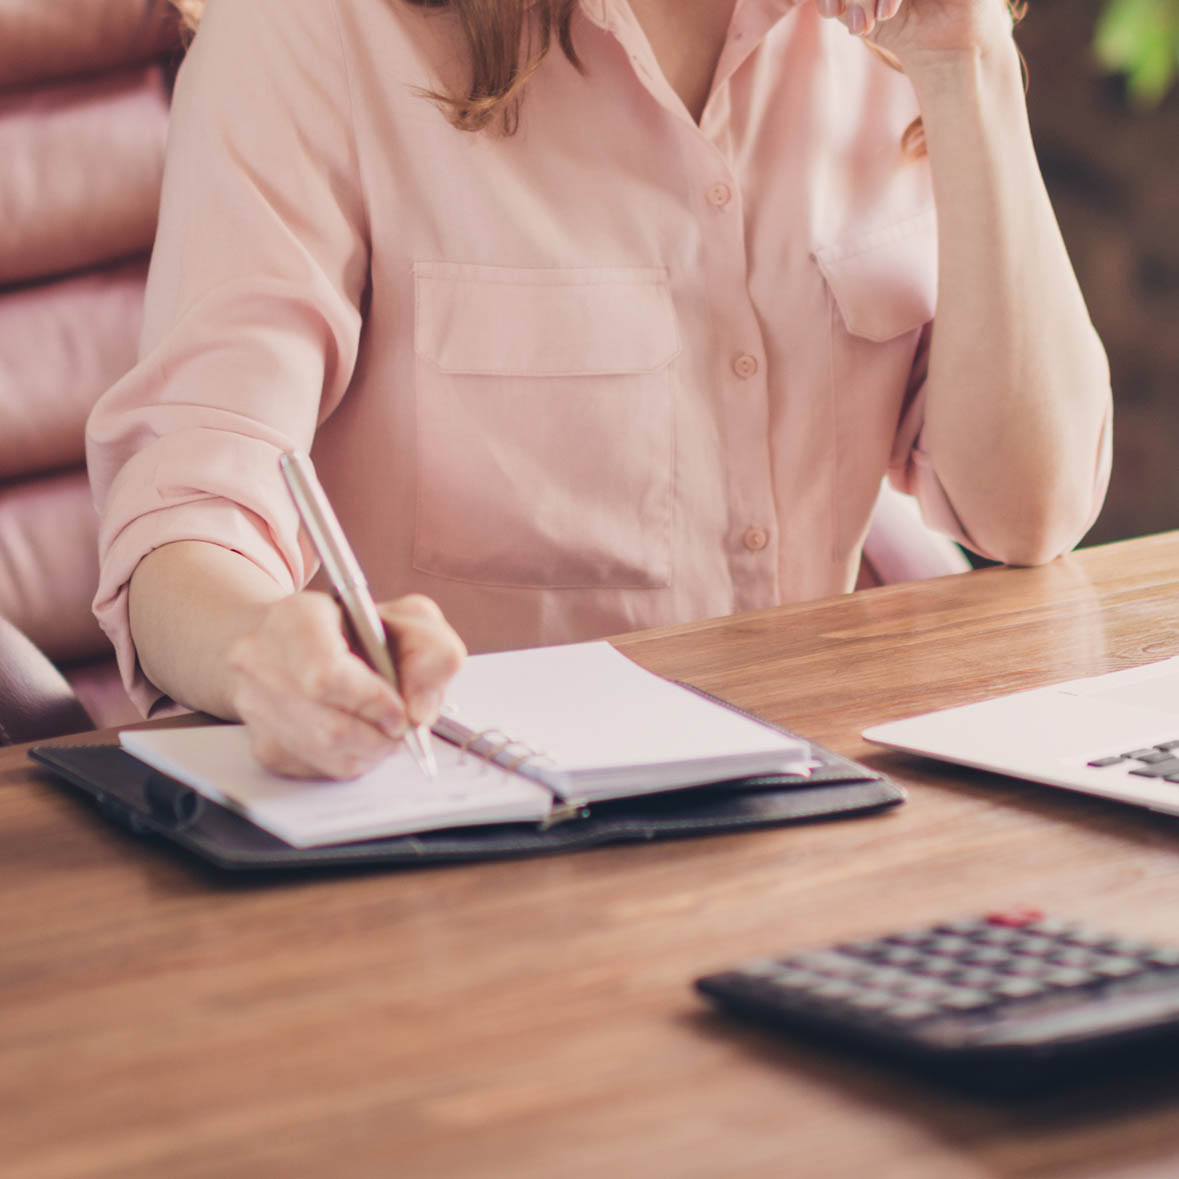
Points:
(83, 164)
(62, 345)
(44, 39)
(49, 569)
(36, 701)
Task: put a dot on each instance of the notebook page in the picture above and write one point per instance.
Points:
(607, 724)
(393, 799)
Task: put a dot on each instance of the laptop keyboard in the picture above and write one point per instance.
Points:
(1154, 761)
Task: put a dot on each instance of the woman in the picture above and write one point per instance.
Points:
(614, 335)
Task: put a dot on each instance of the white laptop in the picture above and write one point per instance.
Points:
(1116, 735)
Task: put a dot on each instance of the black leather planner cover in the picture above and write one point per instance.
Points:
(151, 804)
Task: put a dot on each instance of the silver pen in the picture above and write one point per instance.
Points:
(349, 585)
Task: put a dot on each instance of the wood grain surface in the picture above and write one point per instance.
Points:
(534, 1019)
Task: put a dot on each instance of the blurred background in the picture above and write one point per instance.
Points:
(1104, 103)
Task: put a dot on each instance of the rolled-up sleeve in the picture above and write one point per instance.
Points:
(911, 467)
(252, 319)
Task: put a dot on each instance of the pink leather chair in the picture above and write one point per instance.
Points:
(83, 115)
(36, 700)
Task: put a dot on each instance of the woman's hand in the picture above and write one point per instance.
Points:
(314, 708)
(911, 30)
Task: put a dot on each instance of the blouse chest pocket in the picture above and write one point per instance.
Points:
(545, 425)
(884, 284)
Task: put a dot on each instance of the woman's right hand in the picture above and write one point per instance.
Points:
(314, 708)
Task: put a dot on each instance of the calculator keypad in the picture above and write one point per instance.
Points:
(966, 982)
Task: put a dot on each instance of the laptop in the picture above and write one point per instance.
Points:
(1115, 735)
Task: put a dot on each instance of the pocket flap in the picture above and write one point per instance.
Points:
(543, 322)
(886, 284)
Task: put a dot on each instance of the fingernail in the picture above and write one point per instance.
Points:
(857, 22)
(830, 7)
(393, 725)
(881, 9)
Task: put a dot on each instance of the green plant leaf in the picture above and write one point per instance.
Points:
(1140, 39)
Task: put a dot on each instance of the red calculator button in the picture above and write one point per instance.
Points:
(1015, 918)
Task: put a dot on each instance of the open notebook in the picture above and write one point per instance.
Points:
(529, 736)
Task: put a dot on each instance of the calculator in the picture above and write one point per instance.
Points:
(1005, 1001)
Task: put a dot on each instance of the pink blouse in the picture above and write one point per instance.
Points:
(616, 371)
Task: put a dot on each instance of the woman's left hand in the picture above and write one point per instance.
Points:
(910, 30)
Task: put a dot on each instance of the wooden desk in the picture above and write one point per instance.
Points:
(534, 1019)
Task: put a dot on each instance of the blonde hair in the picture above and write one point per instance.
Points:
(506, 40)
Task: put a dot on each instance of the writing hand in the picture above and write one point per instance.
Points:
(314, 708)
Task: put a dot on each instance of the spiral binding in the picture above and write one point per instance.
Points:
(489, 745)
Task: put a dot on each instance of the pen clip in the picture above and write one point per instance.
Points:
(319, 519)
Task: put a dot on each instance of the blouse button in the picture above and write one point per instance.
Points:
(755, 539)
(719, 195)
(745, 365)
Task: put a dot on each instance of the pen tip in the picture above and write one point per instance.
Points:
(420, 745)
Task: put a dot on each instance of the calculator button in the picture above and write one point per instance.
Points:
(950, 944)
(1036, 945)
(966, 999)
(1068, 976)
(987, 956)
(911, 1010)
(1117, 967)
(937, 965)
(900, 956)
(833, 988)
(1029, 967)
(884, 977)
(795, 979)
(1100, 763)
(1052, 927)
(1126, 945)
(1167, 745)
(1075, 956)
(1081, 936)
(1015, 918)
(1163, 956)
(978, 978)
(1019, 988)
(1137, 753)
(999, 936)
(867, 1000)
